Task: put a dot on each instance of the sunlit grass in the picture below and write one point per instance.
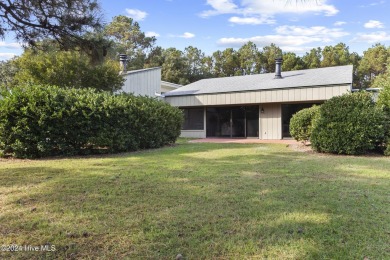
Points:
(224, 201)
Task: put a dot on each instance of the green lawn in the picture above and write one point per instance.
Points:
(204, 201)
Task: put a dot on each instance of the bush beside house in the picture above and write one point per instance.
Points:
(39, 121)
(301, 124)
(349, 124)
(383, 82)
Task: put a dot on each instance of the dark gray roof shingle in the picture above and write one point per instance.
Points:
(291, 79)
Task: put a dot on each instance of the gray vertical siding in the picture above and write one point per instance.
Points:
(271, 122)
(143, 82)
(306, 94)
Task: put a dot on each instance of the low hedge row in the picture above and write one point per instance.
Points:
(40, 121)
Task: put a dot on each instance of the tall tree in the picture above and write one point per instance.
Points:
(270, 53)
(226, 63)
(335, 55)
(194, 62)
(231, 64)
(174, 66)
(7, 73)
(292, 62)
(129, 39)
(249, 58)
(354, 59)
(154, 58)
(64, 21)
(65, 69)
(383, 81)
(373, 63)
(313, 58)
(207, 67)
(218, 63)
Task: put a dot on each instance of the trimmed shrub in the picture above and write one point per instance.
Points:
(349, 124)
(40, 121)
(301, 123)
(387, 147)
(384, 103)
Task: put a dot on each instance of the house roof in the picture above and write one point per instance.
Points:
(170, 85)
(138, 71)
(291, 79)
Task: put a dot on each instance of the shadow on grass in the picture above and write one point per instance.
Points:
(203, 201)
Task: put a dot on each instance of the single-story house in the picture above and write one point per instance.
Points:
(255, 106)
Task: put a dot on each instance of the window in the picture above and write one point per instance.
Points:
(193, 119)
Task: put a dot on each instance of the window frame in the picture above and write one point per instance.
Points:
(191, 120)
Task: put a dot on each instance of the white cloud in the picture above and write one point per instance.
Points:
(282, 6)
(250, 20)
(136, 14)
(268, 9)
(290, 38)
(373, 24)
(294, 19)
(10, 45)
(373, 4)
(220, 7)
(286, 43)
(339, 23)
(378, 3)
(187, 35)
(298, 50)
(316, 31)
(6, 55)
(152, 34)
(372, 37)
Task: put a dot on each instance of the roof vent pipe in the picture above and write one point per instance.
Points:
(278, 68)
(123, 63)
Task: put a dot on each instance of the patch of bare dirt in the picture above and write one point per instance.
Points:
(300, 147)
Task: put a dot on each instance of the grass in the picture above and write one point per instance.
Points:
(204, 201)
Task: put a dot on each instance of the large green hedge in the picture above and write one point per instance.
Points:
(349, 124)
(301, 123)
(383, 82)
(39, 121)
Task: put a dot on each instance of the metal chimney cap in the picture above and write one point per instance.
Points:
(278, 68)
(123, 57)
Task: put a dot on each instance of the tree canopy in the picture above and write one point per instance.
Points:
(374, 62)
(67, 69)
(64, 21)
(76, 26)
(128, 38)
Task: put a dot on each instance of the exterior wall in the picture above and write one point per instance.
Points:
(193, 133)
(264, 96)
(143, 82)
(270, 121)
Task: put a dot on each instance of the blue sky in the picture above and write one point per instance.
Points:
(211, 25)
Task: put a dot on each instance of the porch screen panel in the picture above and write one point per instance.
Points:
(193, 119)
